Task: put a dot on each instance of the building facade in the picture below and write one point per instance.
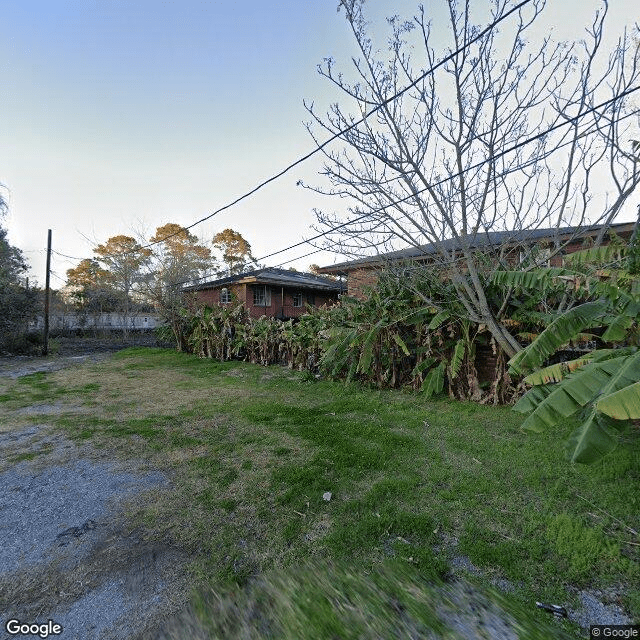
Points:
(277, 293)
(508, 246)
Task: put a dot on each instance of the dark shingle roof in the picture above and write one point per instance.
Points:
(479, 240)
(271, 275)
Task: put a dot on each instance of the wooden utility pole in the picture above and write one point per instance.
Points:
(45, 346)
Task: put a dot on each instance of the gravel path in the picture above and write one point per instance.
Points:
(67, 554)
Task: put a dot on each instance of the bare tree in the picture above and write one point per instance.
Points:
(503, 135)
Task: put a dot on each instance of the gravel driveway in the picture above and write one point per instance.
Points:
(67, 553)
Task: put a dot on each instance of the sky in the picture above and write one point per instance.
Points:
(118, 116)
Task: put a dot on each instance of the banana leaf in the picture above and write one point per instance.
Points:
(596, 255)
(592, 440)
(438, 319)
(617, 330)
(421, 366)
(556, 372)
(400, 342)
(540, 279)
(533, 398)
(434, 381)
(457, 357)
(559, 332)
(612, 387)
(366, 355)
(578, 390)
(623, 404)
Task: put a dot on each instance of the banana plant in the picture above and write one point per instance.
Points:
(602, 387)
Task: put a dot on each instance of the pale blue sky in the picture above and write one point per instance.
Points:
(122, 115)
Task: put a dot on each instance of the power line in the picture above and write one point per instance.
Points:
(436, 184)
(55, 275)
(402, 200)
(380, 209)
(456, 175)
(353, 125)
(64, 255)
(302, 256)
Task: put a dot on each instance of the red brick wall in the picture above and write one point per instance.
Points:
(288, 310)
(212, 296)
(244, 293)
(359, 279)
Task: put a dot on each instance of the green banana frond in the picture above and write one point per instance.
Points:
(611, 388)
(423, 365)
(556, 372)
(401, 343)
(438, 319)
(623, 404)
(366, 355)
(540, 279)
(434, 381)
(458, 357)
(559, 332)
(596, 255)
(533, 398)
(618, 328)
(592, 440)
(578, 390)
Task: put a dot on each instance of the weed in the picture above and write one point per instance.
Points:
(580, 547)
(22, 456)
(251, 456)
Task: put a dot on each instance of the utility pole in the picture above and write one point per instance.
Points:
(45, 346)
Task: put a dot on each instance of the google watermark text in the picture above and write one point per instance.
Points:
(47, 629)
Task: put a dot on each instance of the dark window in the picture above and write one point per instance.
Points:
(225, 296)
(261, 296)
(297, 299)
(311, 299)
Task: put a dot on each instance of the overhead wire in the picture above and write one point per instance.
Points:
(302, 256)
(335, 136)
(499, 154)
(440, 182)
(64, 255)
(407, 198)
(352, 126)
(55, 275)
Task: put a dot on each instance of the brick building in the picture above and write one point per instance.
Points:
(507, 245)
(277, 293)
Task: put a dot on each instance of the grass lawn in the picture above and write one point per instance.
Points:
(417, 486)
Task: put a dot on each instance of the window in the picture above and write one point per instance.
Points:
(261, 296)
(225, 296)
(297, 299)
(311, 299)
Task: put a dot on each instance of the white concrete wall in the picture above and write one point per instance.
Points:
(100, 321)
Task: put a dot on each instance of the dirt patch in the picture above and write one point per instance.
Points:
(69, 551)
(47, 409)
(26, 365)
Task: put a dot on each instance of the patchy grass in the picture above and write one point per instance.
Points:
(414, 483)
(330, 600)
(320, 600)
